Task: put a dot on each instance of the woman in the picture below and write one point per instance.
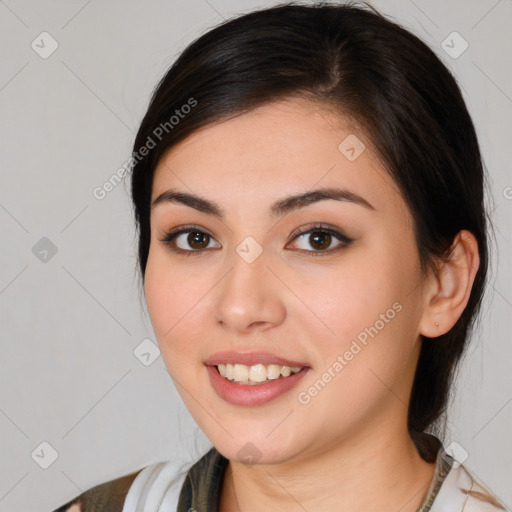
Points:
(308, 189)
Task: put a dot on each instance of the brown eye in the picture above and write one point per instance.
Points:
(197, 240)
(321, 239)
(188, 240)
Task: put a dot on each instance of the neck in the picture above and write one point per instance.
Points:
(374, 474)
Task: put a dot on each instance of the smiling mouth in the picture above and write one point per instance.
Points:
(256, 374)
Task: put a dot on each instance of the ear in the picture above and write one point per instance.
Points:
(447, 293)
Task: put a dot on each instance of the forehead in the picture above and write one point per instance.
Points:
(283, 147)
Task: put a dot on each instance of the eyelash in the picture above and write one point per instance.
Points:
(317, 228)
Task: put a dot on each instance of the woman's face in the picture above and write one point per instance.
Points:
(243, 287)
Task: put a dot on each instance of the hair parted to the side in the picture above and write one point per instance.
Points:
(374, 72)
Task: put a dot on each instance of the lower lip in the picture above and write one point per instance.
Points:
(252, 394)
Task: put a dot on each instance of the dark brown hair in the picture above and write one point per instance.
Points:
(372, 70)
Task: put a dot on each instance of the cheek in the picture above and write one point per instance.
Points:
(344, 299)
(173, 297)
(363, 310)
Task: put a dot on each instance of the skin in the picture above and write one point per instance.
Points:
(348, 448)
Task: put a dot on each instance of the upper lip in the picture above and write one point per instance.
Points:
(250, 359)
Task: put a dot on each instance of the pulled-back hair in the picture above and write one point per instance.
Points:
(366, 68)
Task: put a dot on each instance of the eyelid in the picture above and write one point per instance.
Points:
(171, 235)
(185, 228)
(322, 228)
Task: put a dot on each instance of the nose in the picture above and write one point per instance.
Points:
(250, 297)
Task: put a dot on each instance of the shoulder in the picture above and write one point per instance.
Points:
(105, 497)
(173, 484)
(462, 491)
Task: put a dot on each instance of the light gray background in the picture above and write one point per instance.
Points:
(70, 325)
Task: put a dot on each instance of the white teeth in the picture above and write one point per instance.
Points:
(240, 372)
(255, 374)
(273, 371)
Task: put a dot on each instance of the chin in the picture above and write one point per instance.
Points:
(256, 449)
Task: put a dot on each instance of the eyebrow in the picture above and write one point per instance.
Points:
(278, 209)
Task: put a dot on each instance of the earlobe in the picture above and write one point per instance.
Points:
(451, 287)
